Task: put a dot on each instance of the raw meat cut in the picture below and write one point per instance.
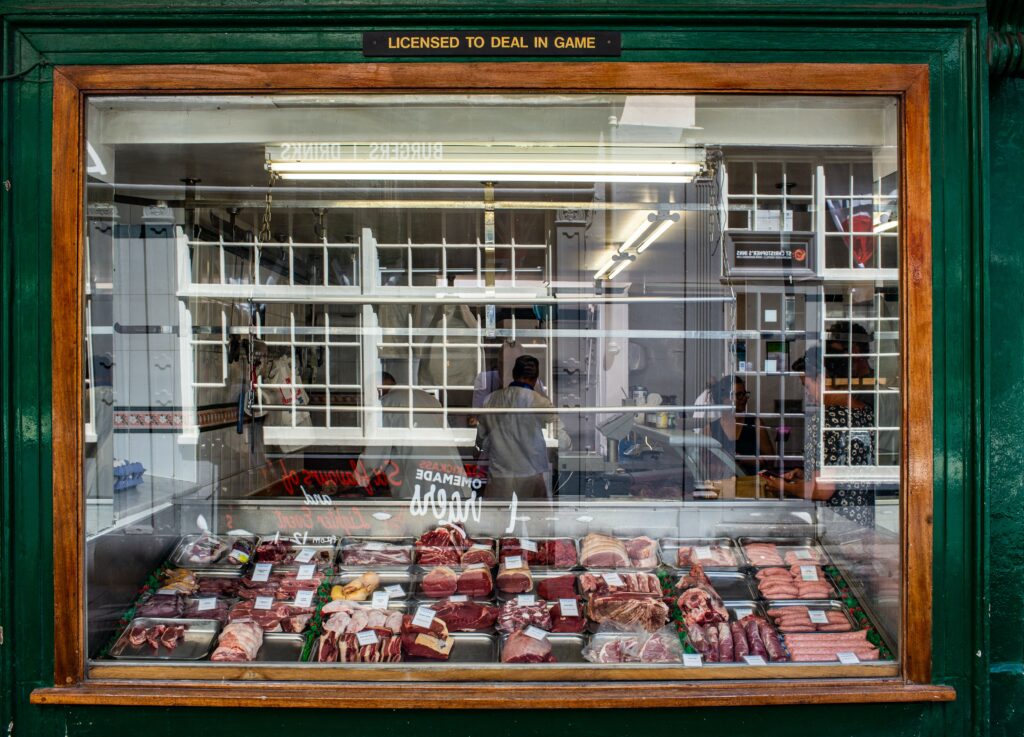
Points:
(512, 616)
(627, 610)
(374, 553)
(699, 602)
(558, 552)
(439, 583)
(161, 605)
(466, 616)
(217, 586)
(442, 546)
(718, 556)
(521, 648)
(284, 552)
(798, 582)
(420, 642)
(280, 617)
(661, 647)
(643, 552)
(346, 618)
(218, 612)
(476, 581)
(559, 587)
(603, 551)
(561, 623)
(205, 549)
(479, 552)
(332, 647)
(515, 580)
(763, 554)
(239, 642)
(640, 583)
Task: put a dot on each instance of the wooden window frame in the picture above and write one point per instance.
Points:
(490, 687)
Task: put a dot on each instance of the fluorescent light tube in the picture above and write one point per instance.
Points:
(655, 234)
(632, 168)
(487, 176)
(622, 264)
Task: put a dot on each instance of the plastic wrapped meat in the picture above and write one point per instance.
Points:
(375, 553)
(205, 549)
(161, 606)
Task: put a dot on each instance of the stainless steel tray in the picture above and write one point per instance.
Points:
(388, 577)
(468, 647)
(785, 545)
(730, 585)
(200, 635)
(566, 648)
(599, 639)
(670, 547)
(280, 647)
(324, 554)
(739, 609)
(824, 605)
(179, 557)
(575, 543)
(401, 542)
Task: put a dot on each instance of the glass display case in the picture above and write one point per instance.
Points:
(492, 384)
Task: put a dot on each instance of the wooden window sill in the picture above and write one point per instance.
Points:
(586, 695)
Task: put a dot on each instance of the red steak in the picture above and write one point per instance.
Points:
(476, 582)
(466, 616)
(439, 583)
(559, 587)
(521, 648)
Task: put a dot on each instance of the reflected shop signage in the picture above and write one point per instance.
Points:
(492, 43)
(434, 489)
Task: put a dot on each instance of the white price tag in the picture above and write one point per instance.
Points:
(702, 552)
(306, 573)
(458, 598)
(692, 660)
(612, 579)
(167, 592)
(479, 546)
(754, 660)
(818, 617)
(424, 617)
(802, 554)
(263, 602)
(305, 555)
(568, 608)
(475, 566)
(848, 658)
(741, 613)
(380, 600)
(536, 633)
(366, 637)
(513, 562)
(528, 545)
(262, 571)
(395, 591)
(526, 600)
(304, 598)
(808, 573)
(206, 604)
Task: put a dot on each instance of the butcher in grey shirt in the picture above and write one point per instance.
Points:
(514, 442)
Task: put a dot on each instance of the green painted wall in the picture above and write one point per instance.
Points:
(945, 34)
(1006, 392)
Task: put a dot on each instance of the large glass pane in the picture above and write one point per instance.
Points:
(572, 378)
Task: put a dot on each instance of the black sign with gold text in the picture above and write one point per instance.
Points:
(492, 43)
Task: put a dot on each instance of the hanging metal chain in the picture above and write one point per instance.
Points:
(264, 234)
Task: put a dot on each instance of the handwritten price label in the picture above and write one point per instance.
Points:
(261, 572)
(304, 598)
(263, 602)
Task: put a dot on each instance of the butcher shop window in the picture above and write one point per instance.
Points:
(558, 382)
